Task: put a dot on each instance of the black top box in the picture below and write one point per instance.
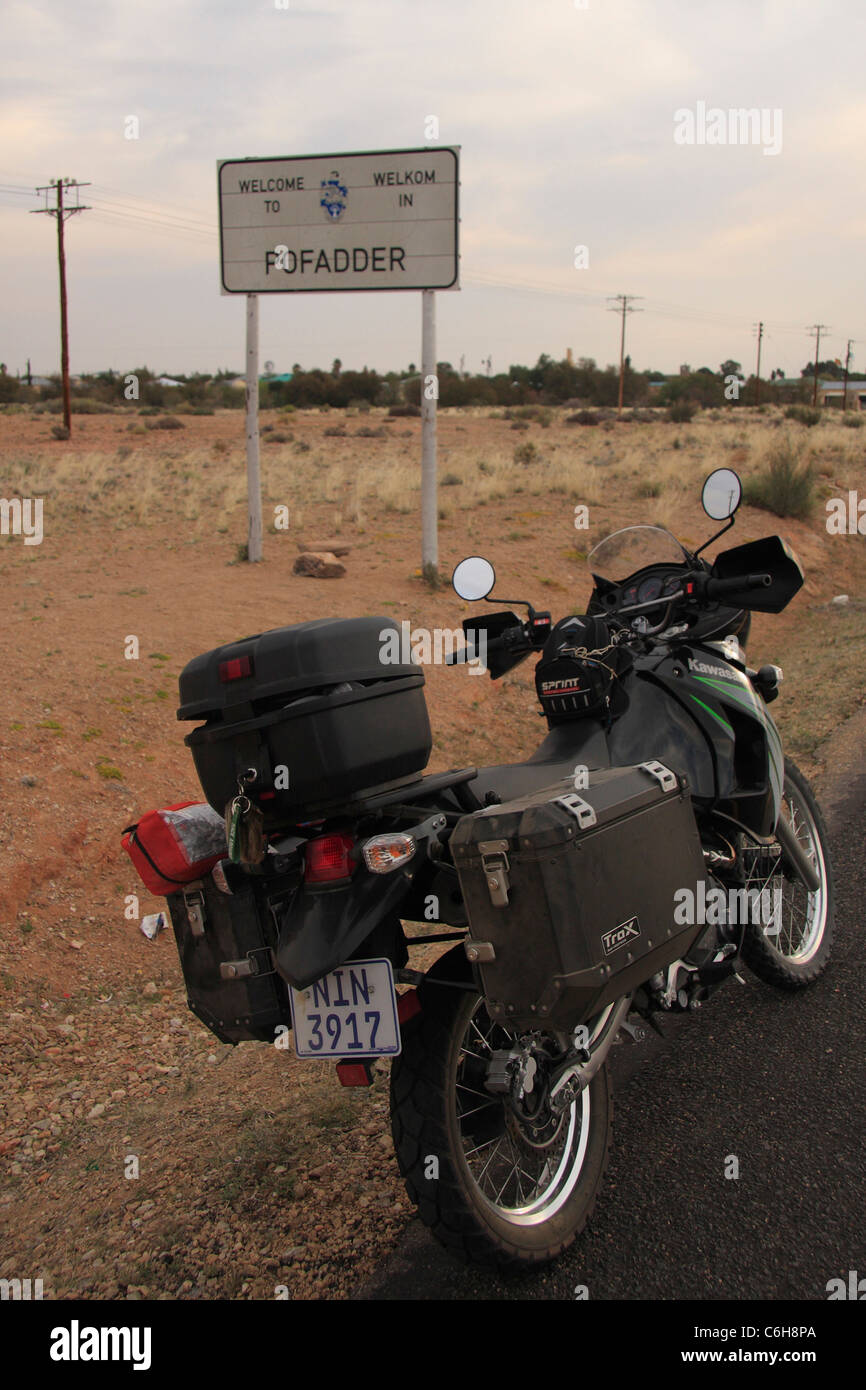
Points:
(317, 711)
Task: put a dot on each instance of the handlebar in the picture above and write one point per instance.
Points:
(717, 588)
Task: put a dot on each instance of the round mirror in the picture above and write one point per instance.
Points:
(721, 495)
(473, 578)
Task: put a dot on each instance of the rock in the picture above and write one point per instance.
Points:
(326, 547)
(97, 1110)
(150, 989)
(841, 599)
(28, 781)
(319, 565)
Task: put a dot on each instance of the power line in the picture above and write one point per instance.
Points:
(817, 329)
(61, 211)
(624, 308)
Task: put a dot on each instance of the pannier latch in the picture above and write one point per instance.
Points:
(194, 902)
(583, 813)
(666, 779)
(241, 969)
(494, 861)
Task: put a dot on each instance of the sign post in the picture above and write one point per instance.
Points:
(429, 399)
(380, 220)
(254, 487)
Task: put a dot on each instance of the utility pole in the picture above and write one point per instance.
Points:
(760, 331)
(845, 387)
(623, 307)
(61, 211)
(817, 329)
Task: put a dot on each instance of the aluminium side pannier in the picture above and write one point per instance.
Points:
(571, 895)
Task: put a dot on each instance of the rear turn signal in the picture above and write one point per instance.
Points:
(384, 853)
(328, 858)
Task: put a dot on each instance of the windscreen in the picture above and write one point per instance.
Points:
(625, 552)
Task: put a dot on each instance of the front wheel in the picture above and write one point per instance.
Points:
(793, 949)
(498, 1183)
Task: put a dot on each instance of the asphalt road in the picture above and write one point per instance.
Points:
(778, 1080)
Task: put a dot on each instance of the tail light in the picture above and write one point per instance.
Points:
(329, 858)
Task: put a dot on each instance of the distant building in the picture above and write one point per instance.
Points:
(685, 369)
(167, 381)
(794, 388)
(830, 393)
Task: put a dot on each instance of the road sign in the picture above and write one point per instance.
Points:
(381, 220)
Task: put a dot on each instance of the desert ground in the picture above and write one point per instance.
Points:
(257, 1170)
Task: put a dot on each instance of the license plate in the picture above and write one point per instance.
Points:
(350, 1012)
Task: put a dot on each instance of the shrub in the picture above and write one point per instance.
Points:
(681, 412)
(526, 453)
(358, 403)
(803, 414)
(582, 417)
(59, 432)
(150, 410)
(451, 480)
(336, 432)
(649, 489)
(367, 432)
(401, 410)
(853, 422)
(519, 425)
(166, 422)
(278, 437)
(786, 486)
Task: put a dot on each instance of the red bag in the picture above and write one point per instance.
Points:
(175, 845)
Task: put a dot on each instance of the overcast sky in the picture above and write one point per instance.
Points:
(566, 120)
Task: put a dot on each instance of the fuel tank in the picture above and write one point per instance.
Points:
(697, 713)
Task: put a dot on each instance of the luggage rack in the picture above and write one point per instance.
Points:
(407, 788)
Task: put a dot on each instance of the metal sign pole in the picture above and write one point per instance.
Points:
(429, 396)
(254, 486)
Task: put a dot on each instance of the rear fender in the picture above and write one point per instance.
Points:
(322, 927)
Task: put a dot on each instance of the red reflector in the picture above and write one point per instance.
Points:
(236, 668)
(408, 1005)
(690, 588)
(328, 857)
(355, 1073)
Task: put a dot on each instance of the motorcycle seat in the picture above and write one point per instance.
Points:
(565, 747)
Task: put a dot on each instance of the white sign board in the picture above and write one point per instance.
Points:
(385, 220)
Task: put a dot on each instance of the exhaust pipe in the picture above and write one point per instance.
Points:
(577, 1076)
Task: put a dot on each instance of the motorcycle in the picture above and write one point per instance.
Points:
(612, 876)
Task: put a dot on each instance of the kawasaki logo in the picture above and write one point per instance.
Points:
(705, 669)
(626, 931)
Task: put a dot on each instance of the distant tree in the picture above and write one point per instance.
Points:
(830, 368)
(730, 368)
(336, 367)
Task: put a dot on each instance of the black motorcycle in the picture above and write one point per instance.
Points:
(655, 842)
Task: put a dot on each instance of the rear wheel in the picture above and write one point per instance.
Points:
(793, 949)
(497, 1182)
